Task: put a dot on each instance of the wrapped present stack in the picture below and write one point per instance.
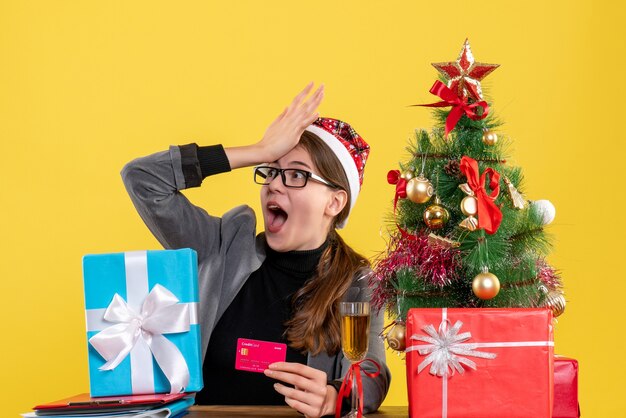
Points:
(143, 337)
(132, 406)
(465, 275)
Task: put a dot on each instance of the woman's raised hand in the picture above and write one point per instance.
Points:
(284, 133)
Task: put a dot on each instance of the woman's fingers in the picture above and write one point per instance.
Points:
(311, 119)
(306, 89)
(298, 369)
(310, 395)
(314, 100)
(302, 110)
(308, 109)
(296, 100)
(278, 119)
(301, 382)
(292, 393)
(301, 376)
(305, 402)
(303, 408)
(284, 133)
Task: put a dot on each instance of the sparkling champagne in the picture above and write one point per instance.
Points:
(355, 336)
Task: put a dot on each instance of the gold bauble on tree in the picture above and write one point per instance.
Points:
(486, 285)
(555, 300)
(407, 175)
(489, 138)
(396, 337)
(435, 215)
(469, 206)
(419, 189)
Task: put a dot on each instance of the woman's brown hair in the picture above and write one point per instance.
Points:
(315, 324)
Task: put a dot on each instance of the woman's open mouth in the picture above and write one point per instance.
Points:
(276, 217)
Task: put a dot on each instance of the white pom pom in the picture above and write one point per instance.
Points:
(546, 209)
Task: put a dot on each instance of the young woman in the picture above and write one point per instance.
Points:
(283, 285)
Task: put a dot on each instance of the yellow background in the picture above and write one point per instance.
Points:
(86, 86)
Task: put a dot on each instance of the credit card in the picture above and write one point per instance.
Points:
(256, 355)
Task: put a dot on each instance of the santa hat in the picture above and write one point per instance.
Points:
(351, 150)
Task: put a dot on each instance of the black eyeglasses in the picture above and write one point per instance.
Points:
(292, 177)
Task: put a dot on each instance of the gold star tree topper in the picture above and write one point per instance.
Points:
(464, 74)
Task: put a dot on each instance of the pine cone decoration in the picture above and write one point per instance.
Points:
(453, 169)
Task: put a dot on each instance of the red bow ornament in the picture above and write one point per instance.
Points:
(459, 105)
(393, 177)
(489, 214)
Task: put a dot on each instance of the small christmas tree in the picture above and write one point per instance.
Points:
(462, 234)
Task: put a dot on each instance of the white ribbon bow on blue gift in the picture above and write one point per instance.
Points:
(160, 314)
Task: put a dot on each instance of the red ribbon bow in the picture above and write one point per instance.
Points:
(459, 105)
(489, 214)
(393, 177)
(346, 386)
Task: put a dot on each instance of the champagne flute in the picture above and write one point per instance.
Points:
(355, 327)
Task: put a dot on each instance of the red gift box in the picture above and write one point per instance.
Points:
(565, 388)
(480, 363)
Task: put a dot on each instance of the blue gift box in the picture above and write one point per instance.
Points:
(142, 326)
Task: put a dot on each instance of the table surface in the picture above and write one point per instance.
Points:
(220, 411)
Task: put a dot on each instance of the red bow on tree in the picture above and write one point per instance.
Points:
(459, 105)
(393, 177)
(354, 372)
(489, 214)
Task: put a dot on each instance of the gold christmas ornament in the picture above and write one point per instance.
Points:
(419, 189)
(436, 216)
(434, 239)
(489, 138)
(555, 300)
(470, 223)
(396, 337)
(469, 206)
(466, 189)
(516, 197)
(486, 285)
(407, 175)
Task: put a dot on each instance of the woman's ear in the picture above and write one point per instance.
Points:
(337, 201)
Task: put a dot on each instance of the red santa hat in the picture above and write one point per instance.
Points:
(351, 150)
